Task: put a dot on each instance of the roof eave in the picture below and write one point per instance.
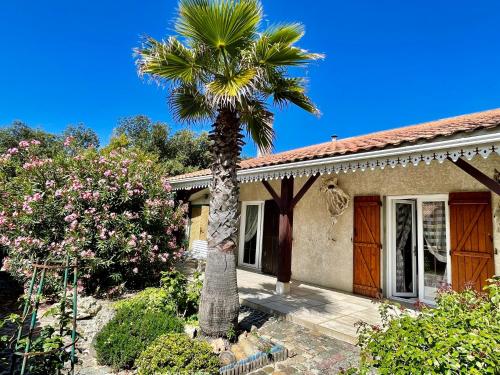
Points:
(490, 138)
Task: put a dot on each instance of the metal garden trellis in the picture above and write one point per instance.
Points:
(31, 305)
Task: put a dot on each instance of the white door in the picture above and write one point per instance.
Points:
(433, 257)
(404, 259)
(250, 247)
(418, 232)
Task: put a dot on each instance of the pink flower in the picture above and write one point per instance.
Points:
(68, 141)
(12, 151)
(24, 144)
(108, 173)
(50, 183)
(71, 218)
(5, 264)
(135, 270)
(58, 193)
(34, 142)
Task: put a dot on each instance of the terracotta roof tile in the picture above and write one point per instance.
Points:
(387, 138)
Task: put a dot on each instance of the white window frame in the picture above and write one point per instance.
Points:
(390, 231)
(260, 228)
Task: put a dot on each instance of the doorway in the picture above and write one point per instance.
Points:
(259, 228)
(418, 246)
(250, 248)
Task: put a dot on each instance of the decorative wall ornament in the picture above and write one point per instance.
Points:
(337, 200)
(322, 167)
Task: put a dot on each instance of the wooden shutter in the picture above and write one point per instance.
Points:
(471, 238)
(366, 241)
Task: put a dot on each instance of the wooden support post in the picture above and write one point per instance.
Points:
(286, 203)
(475, 173)
(271, 191)
(285, 231)
(304, 189)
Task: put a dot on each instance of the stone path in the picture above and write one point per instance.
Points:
(314, 353)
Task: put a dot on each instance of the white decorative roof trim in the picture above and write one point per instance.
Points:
(427, 153)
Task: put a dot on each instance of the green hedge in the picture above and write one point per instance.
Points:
(132, 329)
(177, 354)
(461, 335)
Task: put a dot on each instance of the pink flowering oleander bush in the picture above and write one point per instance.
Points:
(114, 211)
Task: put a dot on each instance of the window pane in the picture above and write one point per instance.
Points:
(435, 249)
(404, 248)
(251, 224)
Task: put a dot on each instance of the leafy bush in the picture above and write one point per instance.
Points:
(47, 340)
(184, 293)
(114, 211)
(150, 299)
(132, 329)
(177, 295)
(461, 335)
(177, 354)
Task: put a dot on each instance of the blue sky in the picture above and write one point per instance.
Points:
(388, 63)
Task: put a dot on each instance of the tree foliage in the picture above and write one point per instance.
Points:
(81, 135)
(222, 60)
(180, 152)
(113, 211)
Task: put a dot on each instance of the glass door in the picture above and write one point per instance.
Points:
(434, 244)
(250, 247)
(405, 249)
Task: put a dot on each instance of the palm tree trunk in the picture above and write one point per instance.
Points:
(219, 304)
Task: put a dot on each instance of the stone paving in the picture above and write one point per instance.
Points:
(312, 352)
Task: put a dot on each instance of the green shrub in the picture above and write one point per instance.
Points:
(177, 354)
(132, 329)
(461, 335)
(184, 293)
(114, 210)
(154, 299)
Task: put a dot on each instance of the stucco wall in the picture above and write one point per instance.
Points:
(319, 259)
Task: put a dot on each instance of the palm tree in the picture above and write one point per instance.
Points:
(221, 68)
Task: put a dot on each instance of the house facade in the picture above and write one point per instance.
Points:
(398, 213)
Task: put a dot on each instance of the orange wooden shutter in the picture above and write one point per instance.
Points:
(366, 241)
(471, 237)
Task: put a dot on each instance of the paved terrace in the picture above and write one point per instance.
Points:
(332, 313)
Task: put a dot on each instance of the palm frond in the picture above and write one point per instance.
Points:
(285, 34)
(292, 90)
(221, 24)
(234, 85)
(259, 123)
(281, 54)
(169, 60)
(188, 104)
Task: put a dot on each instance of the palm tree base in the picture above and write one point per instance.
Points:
(219, 303)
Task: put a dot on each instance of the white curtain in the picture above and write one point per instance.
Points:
(252, 216)
(435, 229)
(403, 230)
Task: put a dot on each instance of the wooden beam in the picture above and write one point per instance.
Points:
(285, 231)
(271, 191)
(475, 173)
(304, 189)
